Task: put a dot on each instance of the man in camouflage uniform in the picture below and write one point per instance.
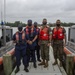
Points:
(45, 43)
(58, 44)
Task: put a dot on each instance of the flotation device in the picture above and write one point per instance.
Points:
(44, 33)
(27, 29)
(58, 34)
(17, 35)
(11, 52)
(66, 51)
(1, 60)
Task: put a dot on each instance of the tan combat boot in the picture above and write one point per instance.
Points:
(42, 63)
(55, 63)
(46, 64)
(60, 64)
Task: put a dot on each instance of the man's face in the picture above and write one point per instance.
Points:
(58, 22)
(44, 22)
(29, 22)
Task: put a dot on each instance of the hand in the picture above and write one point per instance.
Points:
(27, 41)
(38, 43)
(48, 44)
(64, 44)
(30, 42)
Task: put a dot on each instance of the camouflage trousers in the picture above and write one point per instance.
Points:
(58, 51)
(44, 52)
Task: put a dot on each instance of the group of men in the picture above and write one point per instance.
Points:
(34, 39)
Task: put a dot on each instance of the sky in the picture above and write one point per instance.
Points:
(22, 10)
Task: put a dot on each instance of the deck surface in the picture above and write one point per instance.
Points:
(40, 70)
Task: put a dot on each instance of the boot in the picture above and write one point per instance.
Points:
(26, 69)
(35, 66)
(60, 64)
(46, 64)
(55, 63)
(42, 63)
(39, 60)
(17, 70)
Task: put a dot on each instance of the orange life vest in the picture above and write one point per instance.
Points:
(44, 33)
(58, 34)
(27, 30)
(17, 35)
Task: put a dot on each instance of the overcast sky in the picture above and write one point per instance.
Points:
(22, 10)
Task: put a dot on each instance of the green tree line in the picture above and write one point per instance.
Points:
(16, 23)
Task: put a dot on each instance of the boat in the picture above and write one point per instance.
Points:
(8, 47)
(69, 49)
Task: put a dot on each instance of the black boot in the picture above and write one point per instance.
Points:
(35, 66)
(26, 69)
(56, 62)
(17, 70)
(39, 60)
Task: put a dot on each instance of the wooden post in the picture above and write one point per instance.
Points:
(69, 64)
(7, 63)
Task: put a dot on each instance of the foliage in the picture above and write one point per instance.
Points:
(16, 23)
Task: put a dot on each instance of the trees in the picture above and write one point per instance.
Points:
(16, 23)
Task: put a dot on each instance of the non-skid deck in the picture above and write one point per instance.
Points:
(40, 70)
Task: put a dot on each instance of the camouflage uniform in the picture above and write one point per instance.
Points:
(44, 48)
(58, 48)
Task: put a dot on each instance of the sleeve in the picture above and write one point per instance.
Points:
(64, 31)
(26, 35)
(50, 31)
(27, 38)
(14, 37)
(36, 33)
(25, 29)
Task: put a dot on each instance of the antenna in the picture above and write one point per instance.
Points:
(4, 27)
(4, 11)
(1, 13)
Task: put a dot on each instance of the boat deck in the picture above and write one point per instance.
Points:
(40, 70)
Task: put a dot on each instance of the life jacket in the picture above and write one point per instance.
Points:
(27, 30)
(37, 29)
(17, 36)
(58, 34)
(44, 33)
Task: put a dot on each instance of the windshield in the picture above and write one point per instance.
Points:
(72, 35)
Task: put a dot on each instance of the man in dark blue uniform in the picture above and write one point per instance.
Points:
(31, 34)
(37, 48)
(20, 48)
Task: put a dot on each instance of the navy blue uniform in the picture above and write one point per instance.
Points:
(20, 50)
(31, 48)
(37, 48)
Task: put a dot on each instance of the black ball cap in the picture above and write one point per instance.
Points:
(35, 23)
(29, 21)
(20, 27)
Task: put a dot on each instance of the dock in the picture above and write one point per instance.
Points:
(40, 70)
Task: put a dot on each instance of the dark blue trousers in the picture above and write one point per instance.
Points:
(37, 48)
(31, 55)
(20, 52)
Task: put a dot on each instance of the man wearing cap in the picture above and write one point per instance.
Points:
(45, 40)
(37, 48)
(19, 38)
(31, 42)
